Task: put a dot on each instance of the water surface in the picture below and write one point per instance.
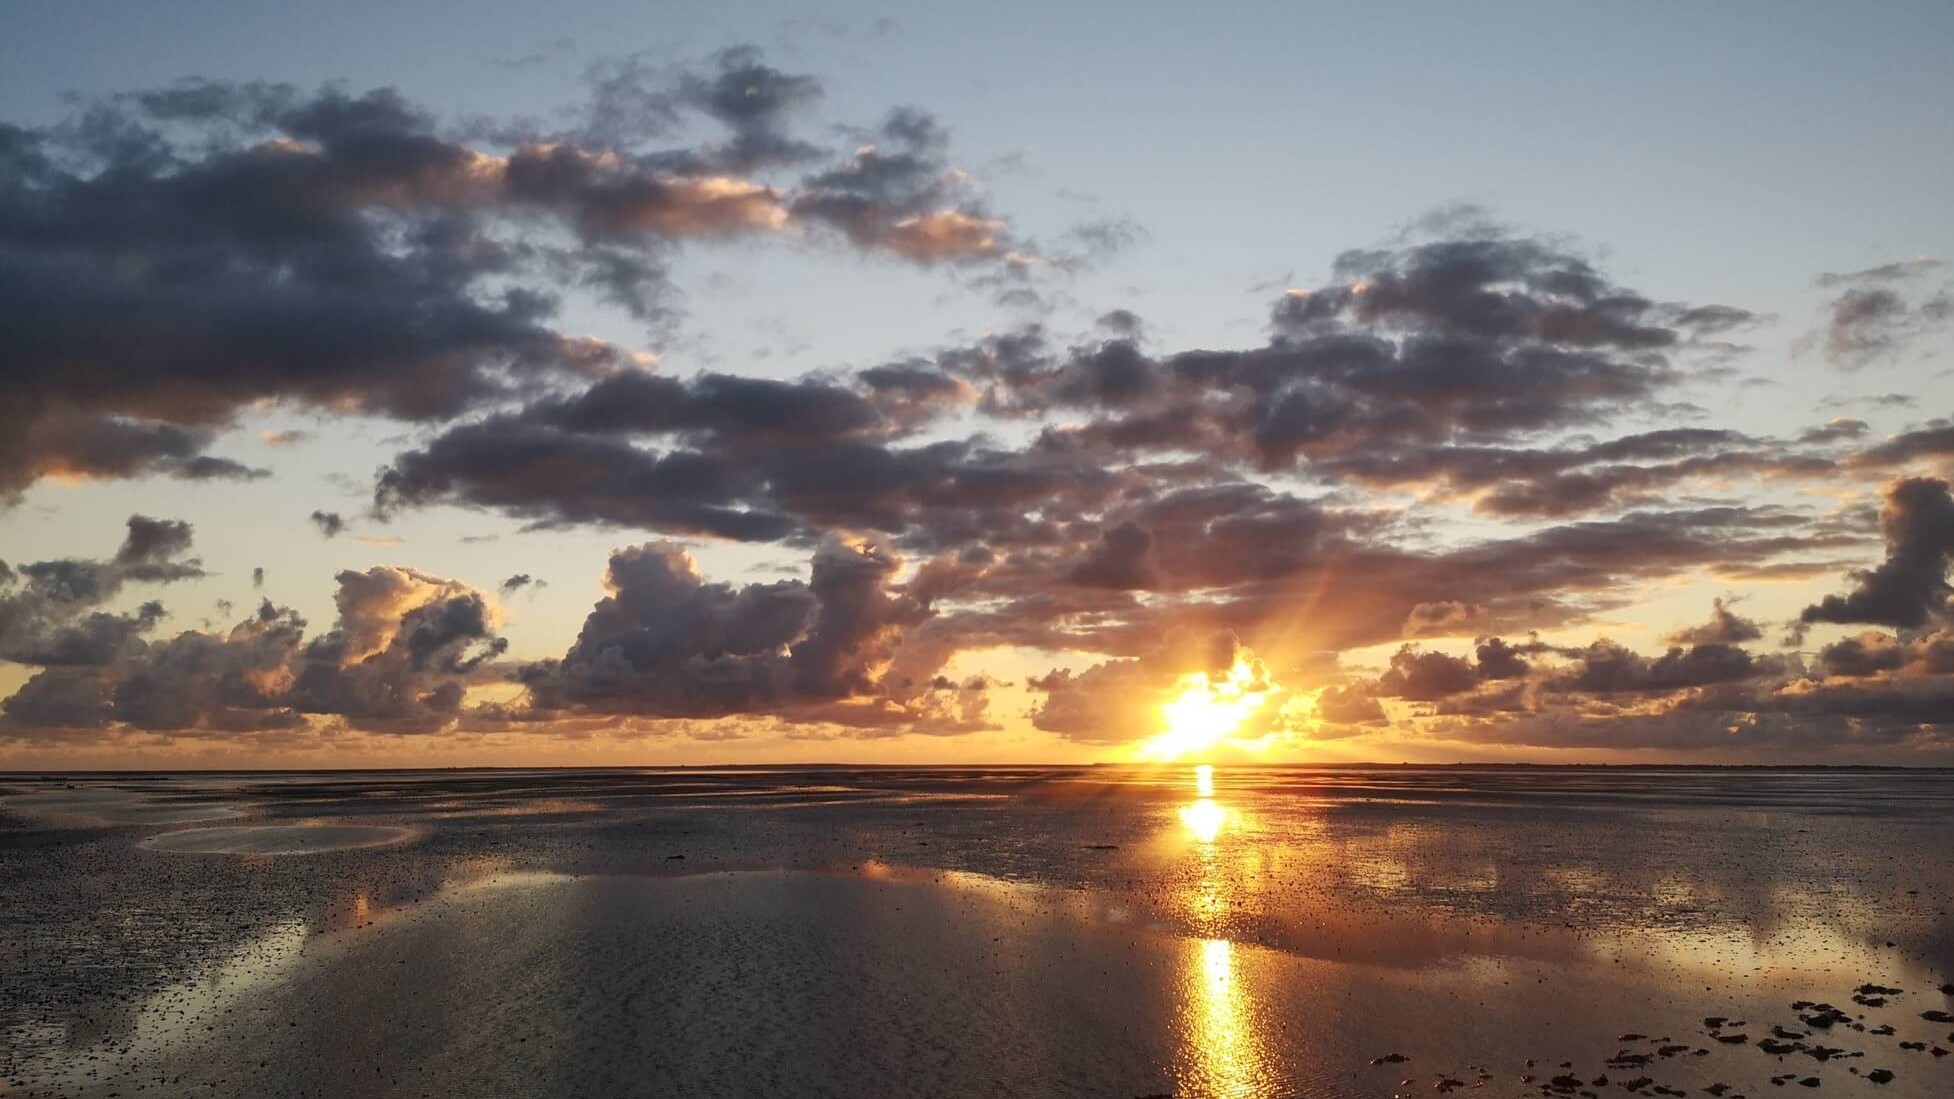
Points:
(1003, 931)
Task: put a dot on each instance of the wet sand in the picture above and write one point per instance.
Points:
(277, 839)
(1005, 932)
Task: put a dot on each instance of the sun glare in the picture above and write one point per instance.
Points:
(1204, 819)
(1208, 711)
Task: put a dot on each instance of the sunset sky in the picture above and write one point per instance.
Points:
(634, 383)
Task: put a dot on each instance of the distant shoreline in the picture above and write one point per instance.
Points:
(43, 774)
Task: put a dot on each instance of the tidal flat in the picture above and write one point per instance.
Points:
(1096, 931)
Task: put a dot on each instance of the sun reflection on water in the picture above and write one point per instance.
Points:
(1204, 818)
(1223, 1050)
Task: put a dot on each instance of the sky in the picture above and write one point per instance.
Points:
(632, 383)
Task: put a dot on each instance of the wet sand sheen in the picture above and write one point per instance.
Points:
(111, 806)
(844, 985)
(277, 839)
(1007, 932)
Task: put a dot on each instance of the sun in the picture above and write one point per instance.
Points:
(1208, 710)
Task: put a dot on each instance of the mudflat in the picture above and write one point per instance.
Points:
(1000, 931)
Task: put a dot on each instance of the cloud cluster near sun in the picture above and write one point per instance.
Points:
(1150, 512)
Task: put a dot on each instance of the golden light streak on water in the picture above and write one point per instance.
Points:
(1223, 1050)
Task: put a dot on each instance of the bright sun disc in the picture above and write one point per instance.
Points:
(1208, 711)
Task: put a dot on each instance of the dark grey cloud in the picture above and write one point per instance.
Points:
(1474, 341)
(1725, 627)
(667, 643)
(738, 462)
(69, 443)
(756, 103)
(1575, 480)
(1122, 559)
(1606, 667)
(1837, 429)
(1432, 368)
(169, 258)
(898, 194)
(1875, 690)
(330, 523)
(519, 582)
(1910, 586)
(1931, 442)
(399, 659)
(549, 476)
(1881, 312)
(50, 610)
(1420, 676)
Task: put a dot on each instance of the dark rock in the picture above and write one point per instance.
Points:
(1626, 1059)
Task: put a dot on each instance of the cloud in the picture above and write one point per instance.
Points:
(1910, 586)
(1725, 627)
(1473, 341)
(1881, 312)
(1450, 617)
(667, 643)
(1142, 509)
(1931, 442)
(69, 444)
(257, 244)
(1122, 559)
(399, 659)
(49, 610)
(1120, 701)
(898, 194)
(1429, 367)
(1424, 676)
(1605, 667)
